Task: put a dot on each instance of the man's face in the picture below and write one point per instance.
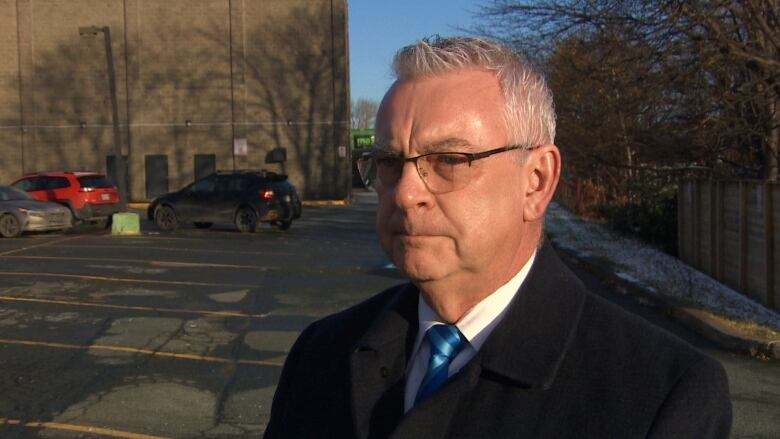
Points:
(468, 235)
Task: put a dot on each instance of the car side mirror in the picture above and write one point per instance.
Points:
(276, 155)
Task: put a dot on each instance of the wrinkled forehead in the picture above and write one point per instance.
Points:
(463, 109)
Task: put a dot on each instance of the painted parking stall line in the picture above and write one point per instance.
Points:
(141, 351)
(43, 244)
(176, 249)
(136, 308)
(125, 280)
(169, 264)
(78, 428)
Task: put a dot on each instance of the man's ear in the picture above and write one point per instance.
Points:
(542, 171)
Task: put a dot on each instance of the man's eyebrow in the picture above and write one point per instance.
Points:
(450, 144)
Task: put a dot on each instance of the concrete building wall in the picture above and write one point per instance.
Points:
(192, 76)
(10, 106)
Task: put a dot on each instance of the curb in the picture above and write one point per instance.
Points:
(702, 322)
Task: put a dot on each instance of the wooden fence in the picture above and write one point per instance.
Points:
(731, 231)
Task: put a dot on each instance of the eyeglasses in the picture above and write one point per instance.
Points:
(441, 172)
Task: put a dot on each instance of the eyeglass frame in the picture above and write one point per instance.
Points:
(470, 156)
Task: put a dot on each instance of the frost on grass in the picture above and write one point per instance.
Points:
(652, 270)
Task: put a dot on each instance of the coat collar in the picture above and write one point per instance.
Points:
(529, 344)
(394, 322)
(378, 365)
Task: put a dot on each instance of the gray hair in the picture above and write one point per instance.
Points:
(529, 113)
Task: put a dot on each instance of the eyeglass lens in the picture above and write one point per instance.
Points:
(443, 172)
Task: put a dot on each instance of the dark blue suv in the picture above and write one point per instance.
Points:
(242, 198)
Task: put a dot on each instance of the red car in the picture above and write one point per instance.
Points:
(89, 195)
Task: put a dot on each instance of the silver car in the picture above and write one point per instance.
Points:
(20, 212)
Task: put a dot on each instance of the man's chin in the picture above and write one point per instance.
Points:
(417, 270)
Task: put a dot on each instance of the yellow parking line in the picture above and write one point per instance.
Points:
(163, 237)
(322, 203)
(195, 357)
(175, 249)
(143, 261)
(137, 308)
(122, 279)
(78, 428)
(43, 244)
(196, 235)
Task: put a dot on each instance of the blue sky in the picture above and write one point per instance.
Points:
(378, 28)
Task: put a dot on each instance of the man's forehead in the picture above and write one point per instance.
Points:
(453, 112)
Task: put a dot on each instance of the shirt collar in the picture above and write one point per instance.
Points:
(479, 321)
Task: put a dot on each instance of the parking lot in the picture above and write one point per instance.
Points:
(183, 334)
(178, 334)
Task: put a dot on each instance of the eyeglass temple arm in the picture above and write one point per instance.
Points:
(483, 154)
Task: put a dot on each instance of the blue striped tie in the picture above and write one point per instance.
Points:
(446, 341)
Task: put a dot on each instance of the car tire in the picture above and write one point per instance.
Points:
(246, 220)
(165, 218)
(9, 226)
(201, 225)
(74, 220)
(283, 225)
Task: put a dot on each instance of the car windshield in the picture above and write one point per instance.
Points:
(12, 194)
(95, 181)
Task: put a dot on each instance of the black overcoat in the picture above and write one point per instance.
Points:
(562, 363)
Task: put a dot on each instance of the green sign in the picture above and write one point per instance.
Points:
(362, 139)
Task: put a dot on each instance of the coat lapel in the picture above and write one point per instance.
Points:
(529, 344)
(431, 418)
(378, 366)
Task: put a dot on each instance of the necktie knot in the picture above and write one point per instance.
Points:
(445, 341)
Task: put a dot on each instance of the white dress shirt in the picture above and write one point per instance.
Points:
(475, 325)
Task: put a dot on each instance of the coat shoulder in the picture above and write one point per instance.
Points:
(344, 328)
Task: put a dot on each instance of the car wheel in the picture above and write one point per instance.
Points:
(165, 218)
(9, 226)
(246, 220)
(74, 220)
(201, 225)
(283, 225)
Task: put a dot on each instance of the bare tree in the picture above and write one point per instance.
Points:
(364, 113)
(741, 39)
(701, 75)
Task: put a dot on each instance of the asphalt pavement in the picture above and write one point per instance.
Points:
(183, 334)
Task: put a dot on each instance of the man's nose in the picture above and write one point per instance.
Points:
(411, 191)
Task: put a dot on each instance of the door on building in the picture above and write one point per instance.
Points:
(156, 175)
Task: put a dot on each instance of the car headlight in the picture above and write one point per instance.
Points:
(29, 212)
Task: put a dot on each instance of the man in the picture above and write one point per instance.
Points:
(493, 336)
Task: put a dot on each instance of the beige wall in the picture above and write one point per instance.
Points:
(10, 137)
(271, 71)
